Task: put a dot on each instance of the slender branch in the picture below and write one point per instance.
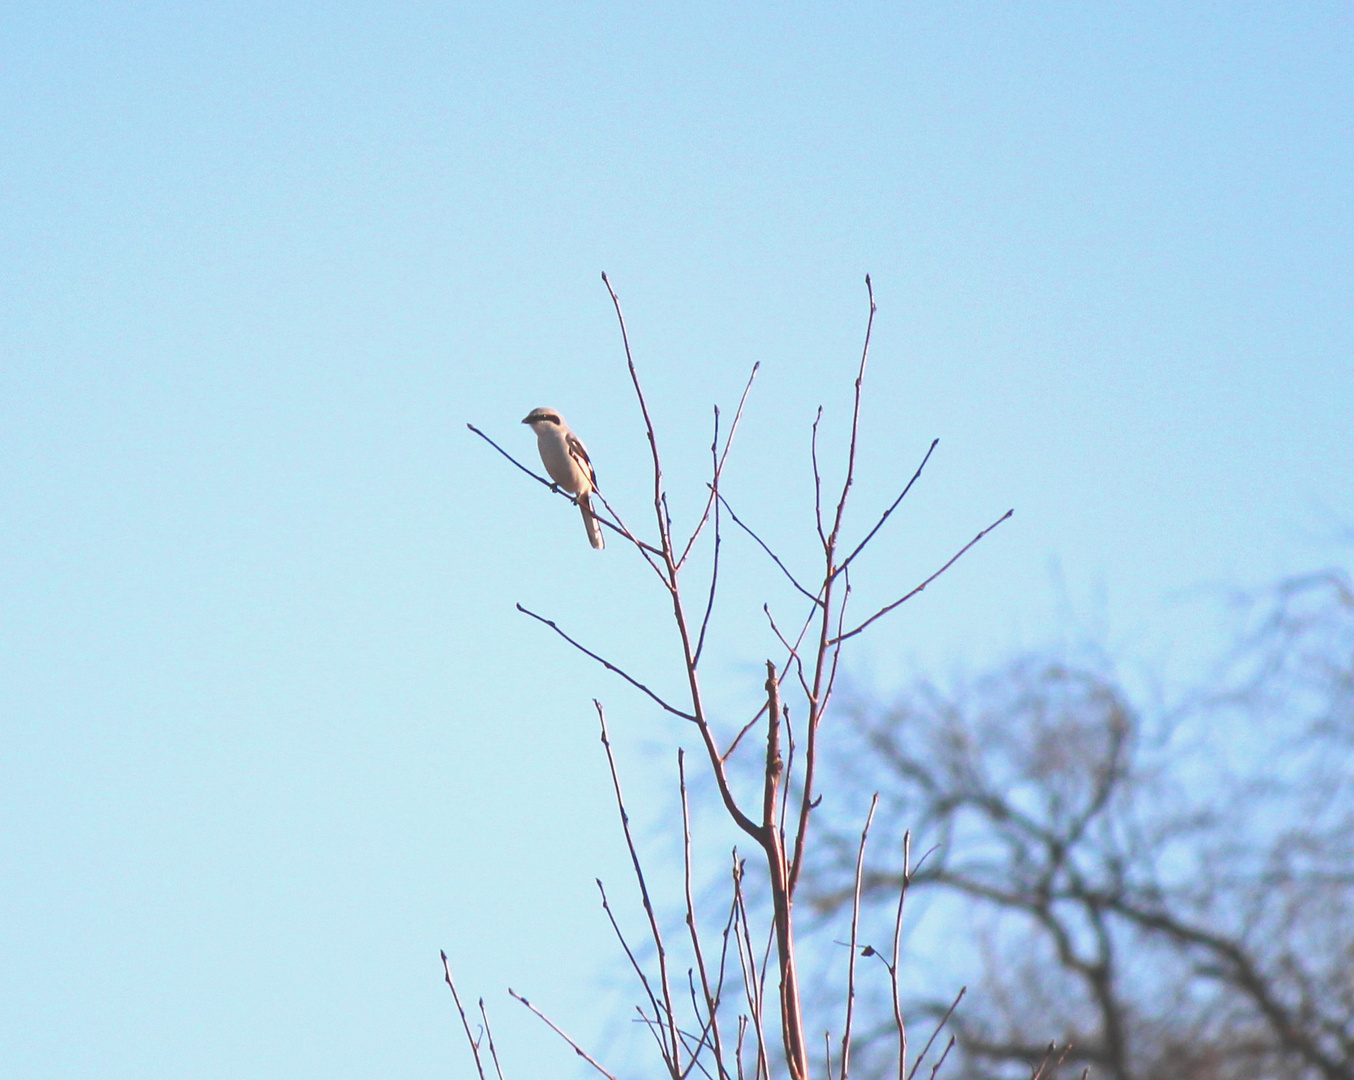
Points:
(606, 664)
(792, 1023)
(634, 963)
(489, 1034)
(465, 1023)
(719, 463)
(748, 962)
(855, 423)
(793, 657)
(939, 1027)
(789, 774)
(741, 732)
(946, 1053)
(615, 527)
(539, 479)
(953, 559)
(556, 1029)
(817, 479)
(893, 967)
(624, 530)
(880, 523)
(855, 929)
(665, 536)
(1039, 1069)
(711, 996)
(793, 650)
(762, 543)
(657, 935)
(714, 567)
(836, 645)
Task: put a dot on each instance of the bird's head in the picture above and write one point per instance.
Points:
(542, 416)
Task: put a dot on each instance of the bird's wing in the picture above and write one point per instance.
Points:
(579, 452)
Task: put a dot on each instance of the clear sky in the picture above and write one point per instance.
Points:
(271, 733)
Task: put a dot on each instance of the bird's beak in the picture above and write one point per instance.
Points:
(526, 419)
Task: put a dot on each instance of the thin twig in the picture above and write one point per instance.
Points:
(817, 479)
(643, 892)
(855, 424)
(793, 650)
(748, 961)
(939, 1027)
(789, 771)
(556, 1029)
(615, 527)
(880, 523)
(741, 732)
(953, 559)
(719, 463)
(665, 537)
(714, 562)
(539, 479)
(762, 544)
(630, 955)
(855, 929)
(655, 1029)
(836, 643)
(465, 1023)
(897, 942)
(711, 997)
(1039, 1071)
(489, 1034)
(946, 1053)
(606, 664)
(624, 530)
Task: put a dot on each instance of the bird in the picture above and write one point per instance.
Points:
(566, 460)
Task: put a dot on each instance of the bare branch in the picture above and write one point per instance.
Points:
(556, 1029)
(711, 995)
(1039, 1069)
(634, 963)
(465, 1023)
(539, 479)
(624, 530)
(939, 1027)
(714, 562)
(607, 664)
(817, 479)
(667, 1008)
(489, 1034)
(793, 650)
(946, 1053)
(880, 523)
(855, 929)
(719, 463)
(615, 527)
(748, 962)
(855, 424)
(953, 559)
(762, 544)
(897, 941)
(663, 532)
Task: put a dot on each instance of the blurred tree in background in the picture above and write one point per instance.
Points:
(1169, 889)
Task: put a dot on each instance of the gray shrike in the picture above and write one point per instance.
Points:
(566, 460)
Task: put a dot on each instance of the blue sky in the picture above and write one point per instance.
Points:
(273, 733)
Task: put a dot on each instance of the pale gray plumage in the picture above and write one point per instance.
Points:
(566, 460)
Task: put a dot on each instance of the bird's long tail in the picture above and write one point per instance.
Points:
(591, 523)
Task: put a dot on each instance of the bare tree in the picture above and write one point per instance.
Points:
(1168, 890)
(703, 1019)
